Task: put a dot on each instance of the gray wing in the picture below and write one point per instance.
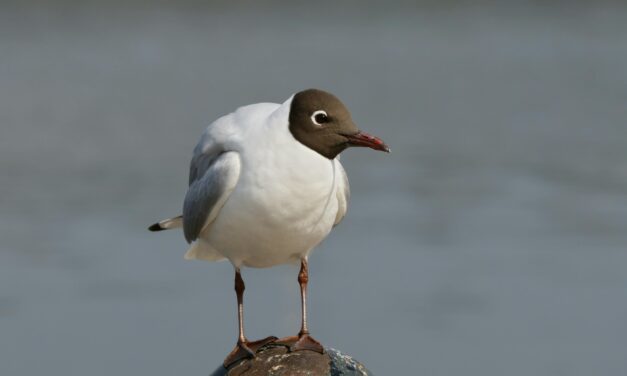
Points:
(212, 177)
(205, 153)
(343, 193)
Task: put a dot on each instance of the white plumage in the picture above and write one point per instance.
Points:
(280, 198)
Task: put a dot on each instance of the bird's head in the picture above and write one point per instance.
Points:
(320, 121)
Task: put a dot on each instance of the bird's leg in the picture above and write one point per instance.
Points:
(244, 348)
(303, 341)
(303, 279)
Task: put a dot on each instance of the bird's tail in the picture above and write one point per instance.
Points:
(199, 250)
(167, 224)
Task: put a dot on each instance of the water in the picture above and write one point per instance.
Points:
(491, 241)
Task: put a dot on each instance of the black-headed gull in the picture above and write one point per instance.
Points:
(265, 187)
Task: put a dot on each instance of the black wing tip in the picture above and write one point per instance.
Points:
(156, 227)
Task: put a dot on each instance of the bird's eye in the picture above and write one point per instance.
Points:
(319, 117)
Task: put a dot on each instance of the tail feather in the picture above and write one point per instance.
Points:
(167, 224)
(201, 250)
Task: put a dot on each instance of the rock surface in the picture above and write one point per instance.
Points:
(274, 360)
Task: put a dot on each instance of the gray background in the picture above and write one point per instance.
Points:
(492, 241)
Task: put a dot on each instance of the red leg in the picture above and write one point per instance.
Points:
(243, 348)
(303, 341)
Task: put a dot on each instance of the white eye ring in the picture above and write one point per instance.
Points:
(319, 112)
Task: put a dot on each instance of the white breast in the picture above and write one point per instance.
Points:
(284, 204)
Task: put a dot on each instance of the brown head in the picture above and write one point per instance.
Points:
(321, 122)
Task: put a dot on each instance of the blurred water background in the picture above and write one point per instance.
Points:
(492, 241)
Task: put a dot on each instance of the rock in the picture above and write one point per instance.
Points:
(275, 360)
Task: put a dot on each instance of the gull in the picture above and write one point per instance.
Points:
(265, 188)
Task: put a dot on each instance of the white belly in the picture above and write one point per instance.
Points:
(279, 211)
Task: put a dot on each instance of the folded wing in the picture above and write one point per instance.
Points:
(213, 176)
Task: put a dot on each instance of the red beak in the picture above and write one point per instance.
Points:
(364, 139)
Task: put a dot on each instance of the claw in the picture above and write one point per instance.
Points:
(244, 350)
(301, 342)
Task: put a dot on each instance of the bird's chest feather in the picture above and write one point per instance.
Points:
(287, 189)
(280, 209)
(283, 205)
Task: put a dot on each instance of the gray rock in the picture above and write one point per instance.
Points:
(275, 360)
(344, 365)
